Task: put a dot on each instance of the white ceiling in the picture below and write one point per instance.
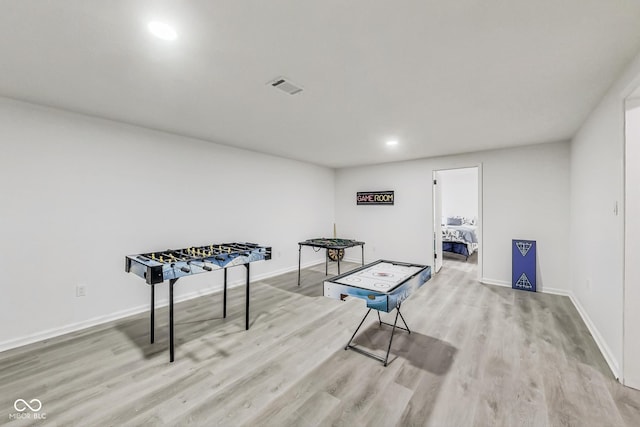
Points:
(442, 77)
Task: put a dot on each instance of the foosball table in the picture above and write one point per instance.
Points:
(170, 265)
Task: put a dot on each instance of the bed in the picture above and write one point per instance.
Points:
(459, 236)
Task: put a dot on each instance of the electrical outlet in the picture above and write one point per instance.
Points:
(81, 290)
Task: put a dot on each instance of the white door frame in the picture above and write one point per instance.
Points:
(478, 167)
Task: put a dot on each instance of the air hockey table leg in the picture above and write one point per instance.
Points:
(354, 334)
(406, 328)
(153, 315)
(386, 359)
(171, 352)
(403, 321)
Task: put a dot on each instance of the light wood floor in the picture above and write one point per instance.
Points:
(478, 355)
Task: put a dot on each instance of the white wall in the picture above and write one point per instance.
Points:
(525, 196)
(596, 231)
(459, 192)
(80, 193)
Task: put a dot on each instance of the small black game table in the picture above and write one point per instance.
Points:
(335, 246)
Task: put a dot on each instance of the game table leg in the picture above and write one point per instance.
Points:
(326, 263)
(153, 316)
(246, 314)
(403, 321)
(386, 359)
(299, 257)
(171, 353)
(357, 329)
(406, 328)
(224, 303)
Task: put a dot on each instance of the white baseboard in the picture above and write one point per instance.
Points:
(542, 290)
(600, 342)
(73, 327)
(487, 281)
(357, 260)
(160, 302)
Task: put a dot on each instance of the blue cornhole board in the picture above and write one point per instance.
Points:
(523, 268)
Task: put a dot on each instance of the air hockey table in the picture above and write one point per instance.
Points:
(384, 286)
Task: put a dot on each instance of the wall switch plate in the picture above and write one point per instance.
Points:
(81, 290)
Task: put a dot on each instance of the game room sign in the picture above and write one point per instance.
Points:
(374, 198)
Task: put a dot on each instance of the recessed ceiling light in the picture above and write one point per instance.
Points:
(162, 30)
(392, 143)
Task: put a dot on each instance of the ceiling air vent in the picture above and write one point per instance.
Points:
(285, 85)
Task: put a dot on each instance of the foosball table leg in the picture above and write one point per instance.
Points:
(153, 307)
(171, 353)
(246, 313)
(224, 303)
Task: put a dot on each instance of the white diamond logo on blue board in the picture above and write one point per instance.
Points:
(523, 282)
(524, 247)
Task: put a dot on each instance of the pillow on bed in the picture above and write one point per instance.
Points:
(454, 220)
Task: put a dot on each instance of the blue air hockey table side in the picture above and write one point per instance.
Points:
(384, 285)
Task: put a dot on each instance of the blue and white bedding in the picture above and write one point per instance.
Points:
(460, 232)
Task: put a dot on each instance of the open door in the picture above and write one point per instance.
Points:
(437, 223)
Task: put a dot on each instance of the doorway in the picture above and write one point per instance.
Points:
(457, 217)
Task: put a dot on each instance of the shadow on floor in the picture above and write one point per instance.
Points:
(190, 325)
(311, 279)
(421, 351)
